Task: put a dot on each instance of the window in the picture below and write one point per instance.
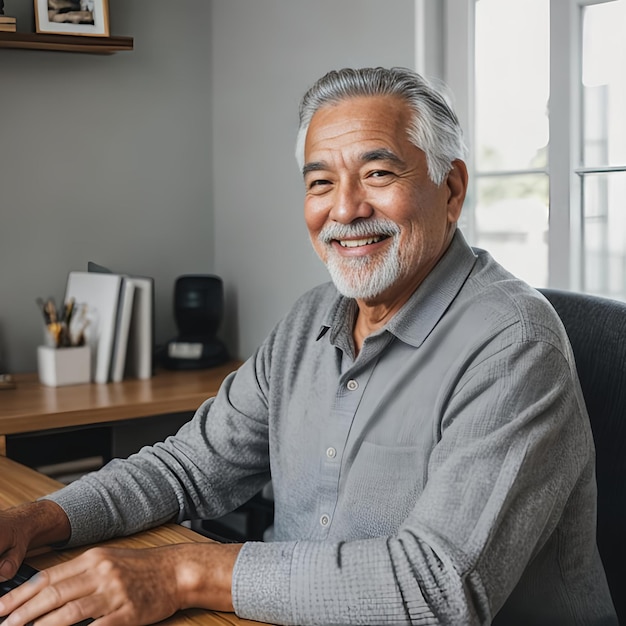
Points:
(603, 137)
(545, 103)
(512, 87)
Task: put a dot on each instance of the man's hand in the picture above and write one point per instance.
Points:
(126, 587)
(29, 526)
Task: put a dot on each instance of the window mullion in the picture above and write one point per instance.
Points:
(458, 74)
(565, 232)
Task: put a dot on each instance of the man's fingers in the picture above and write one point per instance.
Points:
(63, 571)
(41, 596)
(71, 613)
(10, 561)
(21, 603)
(8, 567)
(22, 594)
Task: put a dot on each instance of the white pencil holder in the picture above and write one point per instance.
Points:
(64, 366)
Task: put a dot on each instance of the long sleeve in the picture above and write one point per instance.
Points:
(213, 464)
(513, 457)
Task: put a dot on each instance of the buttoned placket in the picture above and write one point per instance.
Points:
(351, 387)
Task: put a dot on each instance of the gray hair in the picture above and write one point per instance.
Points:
(434, 127)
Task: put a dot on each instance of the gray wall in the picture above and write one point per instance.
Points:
(174, 158)
(104, 158)
(265, 54)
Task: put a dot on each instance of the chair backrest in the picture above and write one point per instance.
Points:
(596, 328)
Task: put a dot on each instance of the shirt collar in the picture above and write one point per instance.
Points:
(421, 313)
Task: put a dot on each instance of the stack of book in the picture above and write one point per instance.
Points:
(120, 315)
(7, 24)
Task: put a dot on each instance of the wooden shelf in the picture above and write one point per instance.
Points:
(66, 43)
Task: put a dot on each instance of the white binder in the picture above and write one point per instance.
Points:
(101, 294)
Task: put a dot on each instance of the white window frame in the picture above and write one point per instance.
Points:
(565, 253)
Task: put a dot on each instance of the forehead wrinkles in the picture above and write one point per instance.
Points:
(337, 146)
(372, 122)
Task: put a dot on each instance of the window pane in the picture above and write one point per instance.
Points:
(605, 234)
(604, 84)
(512, 84)
(512, 224)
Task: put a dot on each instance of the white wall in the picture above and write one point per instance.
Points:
(265, 54)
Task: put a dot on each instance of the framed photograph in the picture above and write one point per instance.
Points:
(72, 17)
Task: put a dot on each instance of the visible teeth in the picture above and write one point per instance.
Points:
(355, 243)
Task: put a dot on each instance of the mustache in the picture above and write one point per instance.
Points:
(361, 229)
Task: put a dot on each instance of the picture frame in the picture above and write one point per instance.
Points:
(72, 17)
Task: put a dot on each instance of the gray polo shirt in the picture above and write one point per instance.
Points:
(443, 476)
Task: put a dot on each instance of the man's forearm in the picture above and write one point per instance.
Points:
(29, 526)
(204, 574)
(46, 523)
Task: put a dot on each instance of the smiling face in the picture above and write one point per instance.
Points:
(374, 216)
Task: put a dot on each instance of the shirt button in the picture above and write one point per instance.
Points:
(325, 520)
(352, 385)
(331, 453)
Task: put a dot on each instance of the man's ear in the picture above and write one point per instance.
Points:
(456, 183)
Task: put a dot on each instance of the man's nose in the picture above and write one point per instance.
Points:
(350, 203)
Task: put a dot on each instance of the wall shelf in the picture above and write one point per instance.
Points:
(66, 43)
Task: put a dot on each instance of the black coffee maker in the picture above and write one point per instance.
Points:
(198, 311)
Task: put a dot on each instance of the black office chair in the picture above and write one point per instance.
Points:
(597, 331)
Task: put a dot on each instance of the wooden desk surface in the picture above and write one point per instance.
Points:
(21, 484)
(32, 406)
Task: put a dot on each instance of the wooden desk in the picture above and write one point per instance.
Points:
(32, 406)
(20, 484)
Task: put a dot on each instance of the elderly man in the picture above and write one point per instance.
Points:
(420, 418)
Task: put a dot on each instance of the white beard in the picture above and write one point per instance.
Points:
(368, 276)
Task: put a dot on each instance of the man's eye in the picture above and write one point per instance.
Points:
(379, 178)
(318, 183)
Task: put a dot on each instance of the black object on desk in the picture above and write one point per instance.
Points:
(198, 311)
(23, 574)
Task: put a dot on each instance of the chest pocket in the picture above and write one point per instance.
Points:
(381, 488)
